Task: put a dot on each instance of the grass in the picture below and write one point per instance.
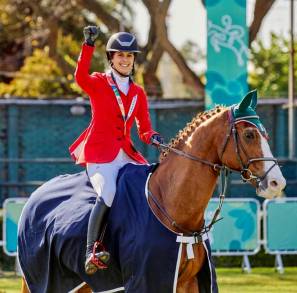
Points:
(230, 280)
(10, 283)
(264, 280)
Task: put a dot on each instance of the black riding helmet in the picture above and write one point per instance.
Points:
(121, 42)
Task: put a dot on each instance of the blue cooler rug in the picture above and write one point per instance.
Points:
(145, 254)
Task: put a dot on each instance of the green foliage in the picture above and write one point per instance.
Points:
(44, 57)
(40, 76)
(270, 67)
(15, 22)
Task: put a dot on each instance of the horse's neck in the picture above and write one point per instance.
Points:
(184, 187)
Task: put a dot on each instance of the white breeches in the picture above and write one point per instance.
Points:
(103, 176)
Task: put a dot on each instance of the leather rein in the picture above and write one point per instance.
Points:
(245, 173)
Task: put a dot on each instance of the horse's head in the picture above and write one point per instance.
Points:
(247, 149)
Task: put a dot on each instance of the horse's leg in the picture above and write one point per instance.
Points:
(24, 288)
(188, 286)
(84, 289)
(187, 280)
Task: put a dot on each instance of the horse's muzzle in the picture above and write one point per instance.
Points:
(271, 187)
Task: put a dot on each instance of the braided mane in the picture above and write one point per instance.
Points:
(190, 127)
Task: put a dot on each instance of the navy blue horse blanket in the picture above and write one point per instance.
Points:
(145, 254)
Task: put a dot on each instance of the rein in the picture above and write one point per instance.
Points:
(205, 229)
(245, 172)
(216, 167)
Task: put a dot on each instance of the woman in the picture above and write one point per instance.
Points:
(105, 146)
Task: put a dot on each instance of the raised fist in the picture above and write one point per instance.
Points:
(91, 33)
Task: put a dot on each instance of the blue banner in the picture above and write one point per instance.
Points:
(227, 52)
(280, 229)
(239, 230)
(12, 211)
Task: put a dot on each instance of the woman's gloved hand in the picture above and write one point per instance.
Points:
(91, 33)
(156, 139)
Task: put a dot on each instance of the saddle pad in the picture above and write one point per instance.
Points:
(52, 239)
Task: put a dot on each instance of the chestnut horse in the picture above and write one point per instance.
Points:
(225, 138)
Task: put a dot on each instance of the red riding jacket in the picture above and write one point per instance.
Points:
(102, 140)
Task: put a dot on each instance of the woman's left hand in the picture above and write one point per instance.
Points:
(157, 139)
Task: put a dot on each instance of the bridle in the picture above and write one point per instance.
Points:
(245, 173)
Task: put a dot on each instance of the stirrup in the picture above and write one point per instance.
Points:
(98, 259)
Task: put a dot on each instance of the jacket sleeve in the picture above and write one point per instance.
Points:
(82, 76)
(143, 120)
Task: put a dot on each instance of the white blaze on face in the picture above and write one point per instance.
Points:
(274, 182)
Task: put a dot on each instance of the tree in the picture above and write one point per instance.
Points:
(40, 76)
(31, 24)
(260, 11)
(269, 72)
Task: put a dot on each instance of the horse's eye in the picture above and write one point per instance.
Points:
(249, 135)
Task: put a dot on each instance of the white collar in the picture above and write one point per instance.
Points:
(119, 78)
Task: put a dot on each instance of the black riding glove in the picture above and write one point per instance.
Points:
(91, 33)
(156, 139)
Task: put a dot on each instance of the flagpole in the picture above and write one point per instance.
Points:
(291, 86)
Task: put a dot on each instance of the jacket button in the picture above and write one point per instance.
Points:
(119, 138)
(118, 127)
(119, 116)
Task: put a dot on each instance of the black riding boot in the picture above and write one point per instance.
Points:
(96, 256)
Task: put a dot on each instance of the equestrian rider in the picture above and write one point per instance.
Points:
(105, 146)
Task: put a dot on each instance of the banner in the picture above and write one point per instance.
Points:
(280, 229)
(12, 208)
(238, 232)
(227, 52)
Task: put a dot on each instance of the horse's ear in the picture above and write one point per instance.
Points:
(254, 99)
(248, 100)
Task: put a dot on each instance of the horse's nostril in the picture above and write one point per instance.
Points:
(273, 183)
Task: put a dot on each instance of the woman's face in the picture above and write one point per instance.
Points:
(123, 62)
